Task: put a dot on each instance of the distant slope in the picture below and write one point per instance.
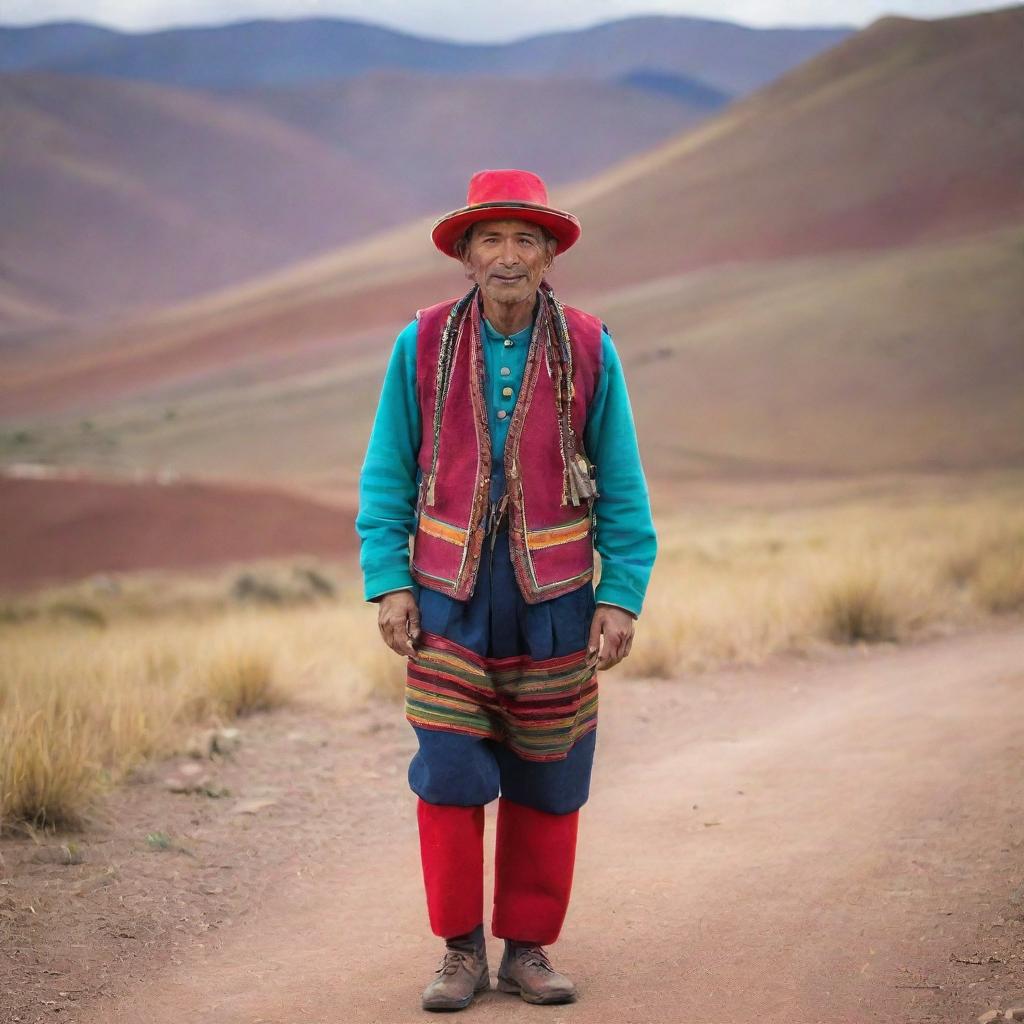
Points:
(680, 87)
(903, 359)
(898, 359)
(58, 529)
(755, 340)
(403, 124)
(730, 57)
(118, 193)
(127, 193)
(121, 195)
(39, 46)
(908, 130)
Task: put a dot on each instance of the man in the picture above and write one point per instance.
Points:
(504, 445)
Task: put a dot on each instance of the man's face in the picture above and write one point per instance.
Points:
(508, 258)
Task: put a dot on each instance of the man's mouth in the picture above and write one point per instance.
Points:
(514, 277)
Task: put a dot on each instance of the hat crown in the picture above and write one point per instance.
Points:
(507, 185)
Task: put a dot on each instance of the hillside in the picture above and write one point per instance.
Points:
(120, 193)
(566, 128)
(732, 58)
(128, 194)
(768, 325)
(59, 528)
(907, 131)
(143, 169)
(900, 360)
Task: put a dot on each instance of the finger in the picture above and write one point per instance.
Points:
(610, 653)
(628, 646)
(594, 640)
(395, 639)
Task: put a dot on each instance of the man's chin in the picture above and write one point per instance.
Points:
(511, 296)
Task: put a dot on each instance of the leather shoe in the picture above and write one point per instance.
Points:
(526, 970)
(463, 973)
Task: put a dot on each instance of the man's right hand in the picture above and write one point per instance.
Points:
(399, 621)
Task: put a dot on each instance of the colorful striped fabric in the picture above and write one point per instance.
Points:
(538, 708)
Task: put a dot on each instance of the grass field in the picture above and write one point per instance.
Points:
(101, 675)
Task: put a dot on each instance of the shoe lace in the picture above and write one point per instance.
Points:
(534, 956)
(452, 960)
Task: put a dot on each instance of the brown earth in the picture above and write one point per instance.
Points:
(807, 841)
(63, 528)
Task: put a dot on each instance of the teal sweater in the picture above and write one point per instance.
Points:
(625, 537)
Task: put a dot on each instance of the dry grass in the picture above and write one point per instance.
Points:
(99, 676)
(81, 705)
(738, 586)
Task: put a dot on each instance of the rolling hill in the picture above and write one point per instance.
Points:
(428, 133)
(127, 186)
(121, 193)
(908, 130)
(823, 279)
(129, 194)
(729, 57)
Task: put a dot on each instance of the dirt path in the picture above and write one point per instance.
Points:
(834, 841)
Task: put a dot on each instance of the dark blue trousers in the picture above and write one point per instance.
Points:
(496, 622)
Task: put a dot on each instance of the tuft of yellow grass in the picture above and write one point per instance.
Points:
(49, 765)
(80, 708)
(857, 608)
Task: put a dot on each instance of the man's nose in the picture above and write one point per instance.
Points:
(509, 256)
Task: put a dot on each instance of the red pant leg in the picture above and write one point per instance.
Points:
(452, 852)
(533, 867)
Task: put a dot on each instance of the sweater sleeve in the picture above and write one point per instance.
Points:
(626, 539)
(389, 476)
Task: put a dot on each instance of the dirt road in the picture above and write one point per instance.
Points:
(836, 841)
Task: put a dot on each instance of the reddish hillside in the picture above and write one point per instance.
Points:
(128, 194)
(772, 238)
(429, 133)
(908, 130)
(58, 529)
(905, 131)
(122, 193)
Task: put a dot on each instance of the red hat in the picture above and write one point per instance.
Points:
(495, 195)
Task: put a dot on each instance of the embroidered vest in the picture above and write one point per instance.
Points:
(550, 505)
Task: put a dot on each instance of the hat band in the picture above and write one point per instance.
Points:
(508, 204)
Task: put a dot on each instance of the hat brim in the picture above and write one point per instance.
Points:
(448, 230)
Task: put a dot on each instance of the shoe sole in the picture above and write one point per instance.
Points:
(460, 1004)
(508, 985)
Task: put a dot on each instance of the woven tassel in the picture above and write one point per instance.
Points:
(569, 492)
(583, 485)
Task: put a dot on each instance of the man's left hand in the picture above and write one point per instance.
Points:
(615, 625)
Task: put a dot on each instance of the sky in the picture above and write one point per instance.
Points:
(473, 20)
